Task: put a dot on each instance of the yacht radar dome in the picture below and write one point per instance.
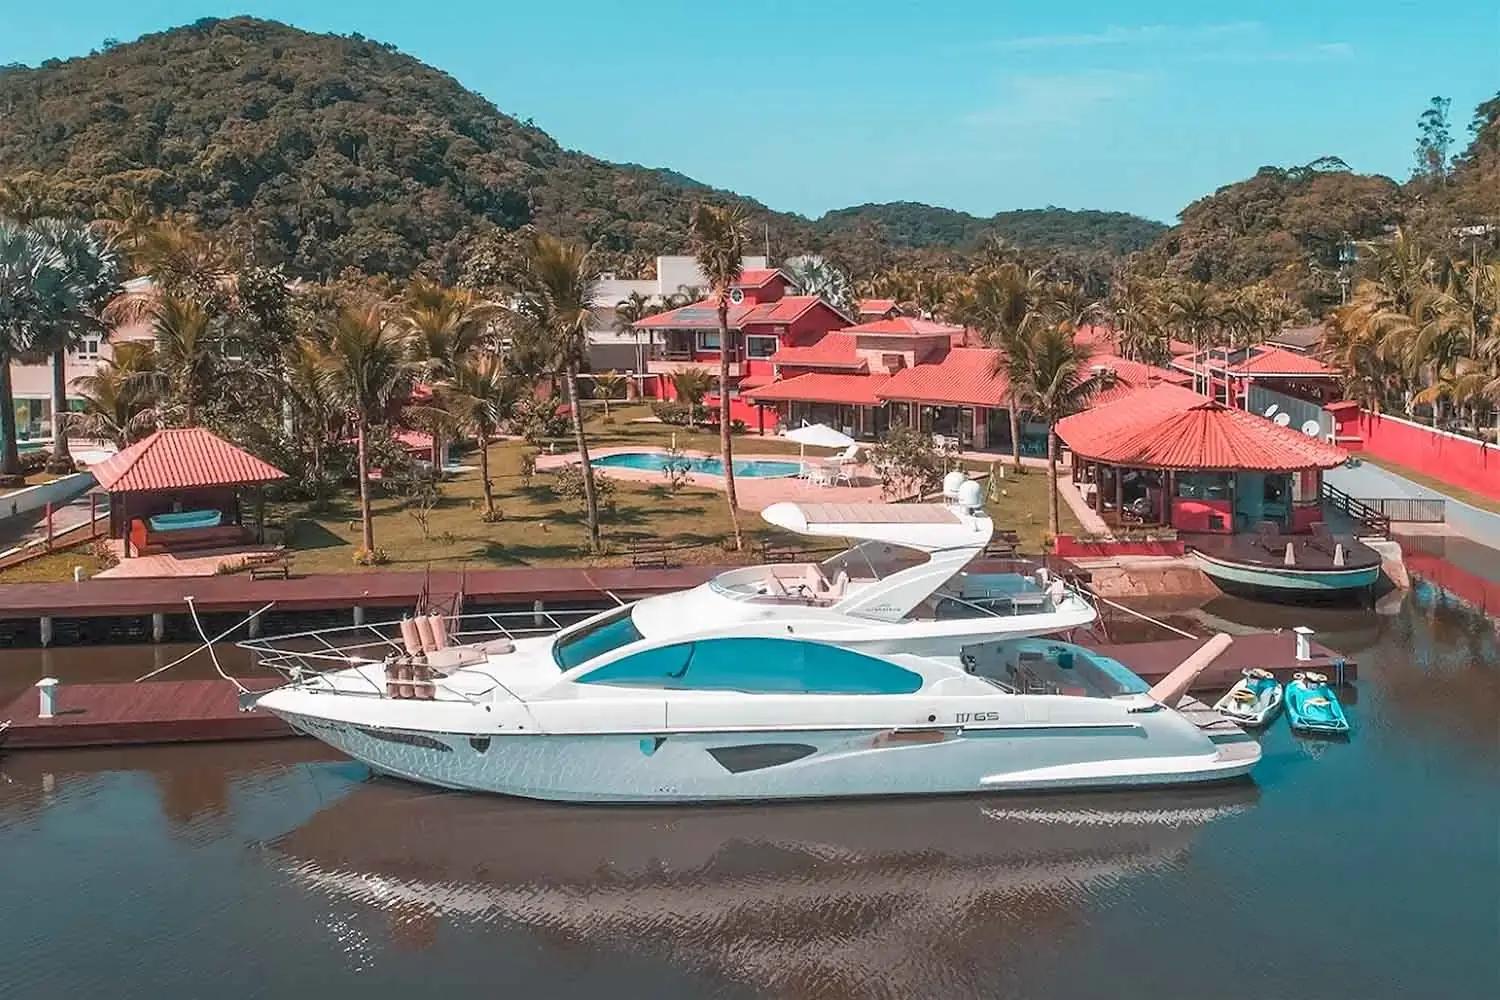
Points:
(952, 482)
(970, 497)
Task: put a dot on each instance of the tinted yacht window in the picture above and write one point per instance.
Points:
(596, 639)
(758, 666)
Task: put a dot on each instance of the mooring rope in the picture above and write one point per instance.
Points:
(1147, 618)
(196, 650)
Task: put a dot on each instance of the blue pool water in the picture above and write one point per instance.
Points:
(655, 461)
(187, 519)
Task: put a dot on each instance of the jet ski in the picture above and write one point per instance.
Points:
(1312, 707)
(1253, 700)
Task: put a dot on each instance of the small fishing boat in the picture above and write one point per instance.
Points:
(1312, 707)
(1252, 701)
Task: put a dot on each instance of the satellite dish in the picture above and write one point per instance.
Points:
(1270, 411)
(1312, 428)
(736, 295)
(1283, 418)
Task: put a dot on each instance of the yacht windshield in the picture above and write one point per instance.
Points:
(595, 639)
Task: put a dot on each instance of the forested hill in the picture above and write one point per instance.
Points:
(327, 152)
(913, 224)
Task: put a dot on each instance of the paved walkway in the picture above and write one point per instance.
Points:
(1370, 482)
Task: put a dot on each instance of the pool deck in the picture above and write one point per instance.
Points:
(755, 493)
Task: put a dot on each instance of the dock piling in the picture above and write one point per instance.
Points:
(45, 627)
(158, 626)
(1304, 643)
(359, 614)
(47, 691)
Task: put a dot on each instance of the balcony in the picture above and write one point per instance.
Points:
(709, 363)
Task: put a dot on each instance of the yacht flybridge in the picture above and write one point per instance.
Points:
(888, 669)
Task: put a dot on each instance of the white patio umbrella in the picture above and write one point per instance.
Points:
(819, 436)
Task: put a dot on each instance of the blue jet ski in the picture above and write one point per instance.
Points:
(1312, 707)
(1254, 698)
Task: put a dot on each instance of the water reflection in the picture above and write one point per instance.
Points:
(880, 898)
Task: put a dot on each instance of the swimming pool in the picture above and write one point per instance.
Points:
(656, 461)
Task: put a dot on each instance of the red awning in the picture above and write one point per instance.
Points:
(822, 387)
(1169, 427)
(182, 458)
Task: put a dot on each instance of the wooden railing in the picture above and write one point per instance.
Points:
(1371, 519)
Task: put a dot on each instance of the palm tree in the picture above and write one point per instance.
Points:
(690, 385)
(311, 409)
(719, 234)
(483, 396)
(444, 324)
(606, 387)
(555, 301)
(115, 405)
(365, 366)
(628, 312)
(1193, 308)
(1139, 308)
(185, 354)
(34, 295)
(1057, 384)
(1007, 304)
(94, 272)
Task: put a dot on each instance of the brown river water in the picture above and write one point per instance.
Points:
(1368, 868)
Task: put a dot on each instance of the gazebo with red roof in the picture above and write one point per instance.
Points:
(180, 488)
(1166, 455)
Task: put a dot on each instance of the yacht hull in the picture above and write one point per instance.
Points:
(729, 766)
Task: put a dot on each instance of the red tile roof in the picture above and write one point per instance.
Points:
(755, 277)
(823, 387)
(905, 326)
(704, 314)
(184, 458)
(876, 307)
(1169, 427)
(965, 377)
(1262, 359)
(834, 350)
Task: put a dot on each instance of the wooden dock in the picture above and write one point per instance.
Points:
(1273, 651)
(94, 715)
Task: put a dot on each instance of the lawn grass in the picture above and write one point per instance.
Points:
(540, 529)
(1456, 492)
(53, 566)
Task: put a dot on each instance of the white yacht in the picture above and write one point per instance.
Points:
(888, 669)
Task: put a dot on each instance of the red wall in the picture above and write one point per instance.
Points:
(1460, 461)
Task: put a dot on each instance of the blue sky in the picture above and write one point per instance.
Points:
(980, 106)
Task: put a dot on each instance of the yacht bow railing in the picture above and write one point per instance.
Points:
(303, 657)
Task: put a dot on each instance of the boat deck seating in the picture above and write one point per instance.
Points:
(146, 540)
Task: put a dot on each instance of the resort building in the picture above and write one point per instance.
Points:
(766, 316)
(1290, 388)
(909, 372)
(676, 274)
(32, 382)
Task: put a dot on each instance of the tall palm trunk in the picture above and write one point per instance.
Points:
(62, 457)
(726, 442)
(590, 497)
(1053, 520)
(10, 457)
(367, 523)
(484, 474)
(1015, 431)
